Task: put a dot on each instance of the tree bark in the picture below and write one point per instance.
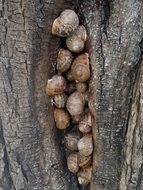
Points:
(31, 153)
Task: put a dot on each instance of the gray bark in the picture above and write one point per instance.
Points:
(31, 157)
(115, 31)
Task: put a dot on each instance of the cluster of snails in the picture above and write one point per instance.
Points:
(68, 90)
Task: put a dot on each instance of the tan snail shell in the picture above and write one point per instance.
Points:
(72, 162)
(60, 100)
(75, 103)
(56, 85)
(69, 76)
(65, 24)
(85, 145)
(84, 176)
(64, 60)
(62, 118)
(75, 43)
(85, 126)
(84, 161)
(71, 140)
(81, 87)
(80, 68)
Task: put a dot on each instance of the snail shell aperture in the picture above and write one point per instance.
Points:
(60, 100)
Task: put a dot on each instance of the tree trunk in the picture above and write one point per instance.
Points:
(31, 153)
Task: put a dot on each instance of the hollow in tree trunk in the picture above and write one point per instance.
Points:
(31, 153)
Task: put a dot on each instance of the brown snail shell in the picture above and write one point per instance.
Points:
(60, 100)
(81, 87)
(75, 103)
(84, 176)
(75, 43)
(71, 87)
(80, 68)
(71, 140)
(84, 161)
(85, 126)
(62, 118)
(64, 60)
(72, 162)
(85, 145)
(56, 85)
(69, 76)
(65, 24)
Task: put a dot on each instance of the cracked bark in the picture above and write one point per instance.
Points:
(30, 155)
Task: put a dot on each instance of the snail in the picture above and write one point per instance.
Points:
(75, 43)
(85, 145)
(84, 161)
(84, 176)
(85, 125)
(71, 140)
(62, 118)
(80, 68)
(60, 100)
(64, 60)
(65, 24)
(75, 103)
(81, 87)
(56, 85)
(69, 76)
(72, 162)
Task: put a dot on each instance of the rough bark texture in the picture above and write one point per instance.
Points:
(115, 30)
(30, 155)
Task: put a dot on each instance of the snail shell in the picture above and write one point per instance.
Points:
(84, 176)
(75, 43)
(81, 87)
(56, 85)
(81, 33)
(60, 100)
(71, 140)
(85, 145)
(64, 60)
(80, 68)
(62, 118)
(84, 161)
(65, 24)
(85, 125)
(75, 103)
(72, 162)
